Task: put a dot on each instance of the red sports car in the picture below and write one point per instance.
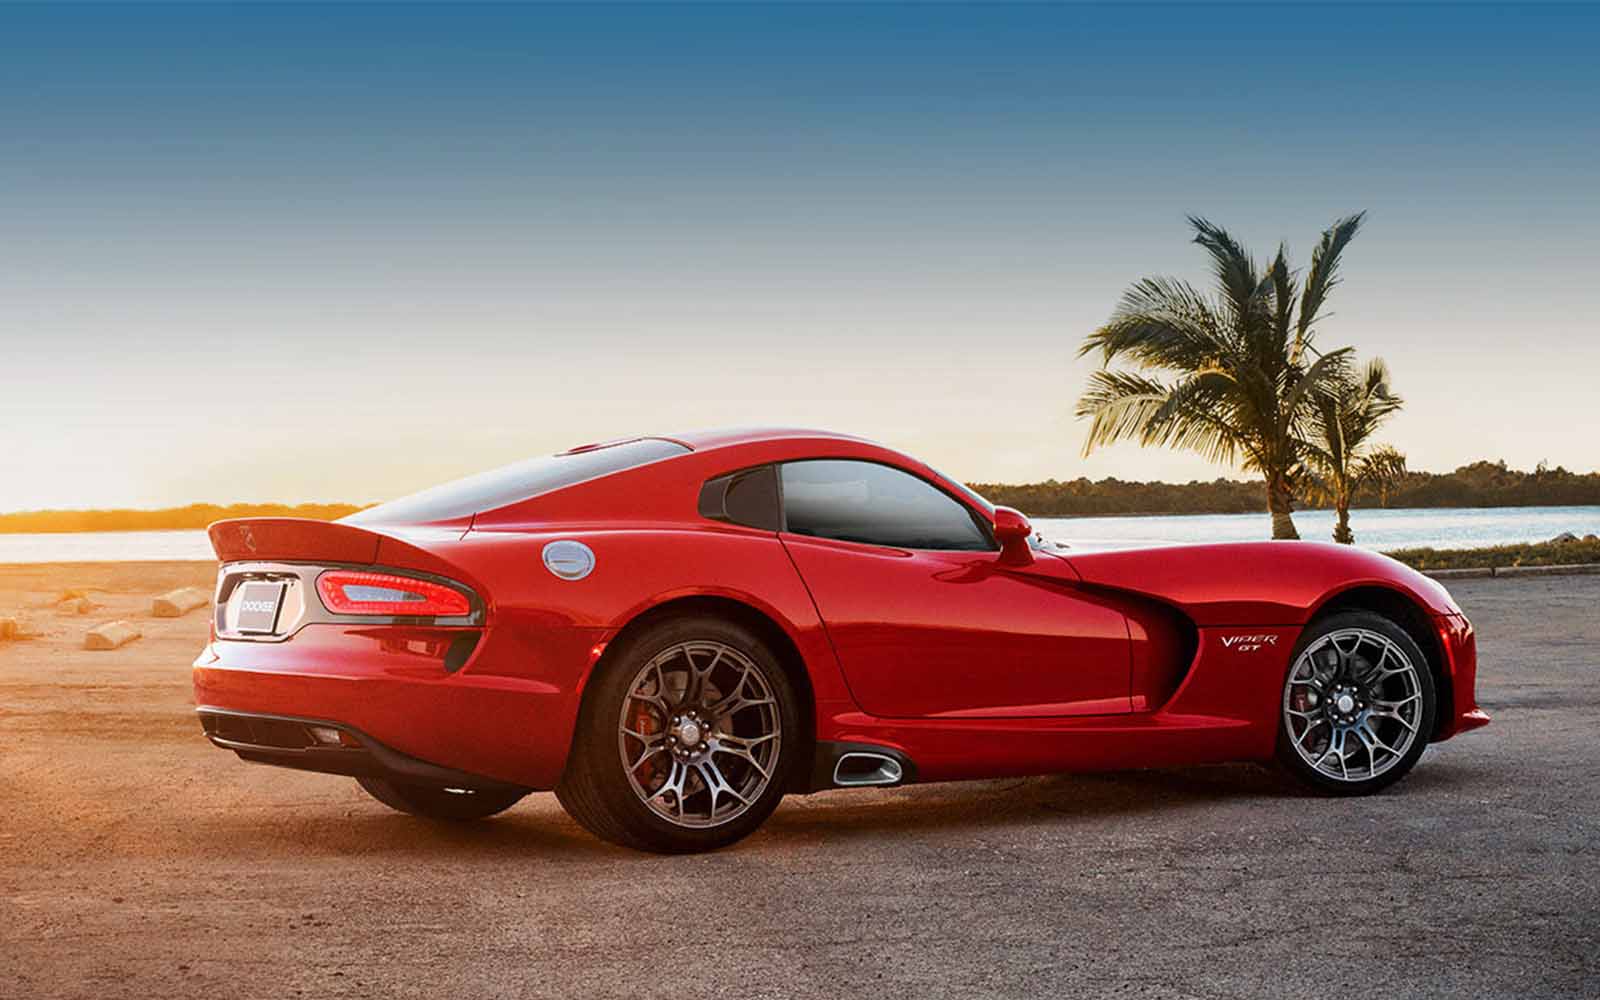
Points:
(675, 632)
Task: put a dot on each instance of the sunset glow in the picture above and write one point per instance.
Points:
(735, 217)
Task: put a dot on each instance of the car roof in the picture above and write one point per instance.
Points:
(669, 486)
(724, 437)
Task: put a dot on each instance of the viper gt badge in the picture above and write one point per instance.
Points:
(1248, 643)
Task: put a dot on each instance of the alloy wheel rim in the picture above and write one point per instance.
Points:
(1352, 704)
(699, 734)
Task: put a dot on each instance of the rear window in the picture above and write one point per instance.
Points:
(489, 490)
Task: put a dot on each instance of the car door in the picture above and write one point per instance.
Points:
(926, 619)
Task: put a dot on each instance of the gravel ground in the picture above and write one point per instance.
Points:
(140, 862)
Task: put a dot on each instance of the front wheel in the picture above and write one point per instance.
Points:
(1358, 705)
(685, 741)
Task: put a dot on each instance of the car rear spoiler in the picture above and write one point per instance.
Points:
(295, 539)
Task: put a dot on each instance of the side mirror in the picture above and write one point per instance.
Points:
(1012, 530)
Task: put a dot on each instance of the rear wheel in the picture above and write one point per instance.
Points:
(1358, 705)
(685, 740)
(457, 804)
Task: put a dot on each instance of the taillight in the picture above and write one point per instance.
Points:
(353, 592)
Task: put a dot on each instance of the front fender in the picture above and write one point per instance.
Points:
(1255, 583)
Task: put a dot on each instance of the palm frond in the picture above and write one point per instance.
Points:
(1232, 265)
(1345, 414)
(1200, 414)
(1324, 446)
(1161, 323)
(1283, 288)
(1318, 489)
(1324, 271)
(1119, 404)
(1326, 371)
(1382, 466)
(1379, 398)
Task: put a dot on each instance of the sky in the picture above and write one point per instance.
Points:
(301, 253)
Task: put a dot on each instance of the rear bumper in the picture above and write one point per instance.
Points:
(507, 715)
(329, 748)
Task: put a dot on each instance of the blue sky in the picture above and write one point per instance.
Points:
(430, 240)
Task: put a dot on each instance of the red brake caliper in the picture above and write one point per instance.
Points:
(642, 720)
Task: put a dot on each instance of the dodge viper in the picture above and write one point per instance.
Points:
(673, 633)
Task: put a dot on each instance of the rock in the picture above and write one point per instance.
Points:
(1591, 539)
(17, 628)
(110, 635)
(76, 605)
(1565, 538)
(179, 602)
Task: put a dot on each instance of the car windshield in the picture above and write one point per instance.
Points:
(518, 481)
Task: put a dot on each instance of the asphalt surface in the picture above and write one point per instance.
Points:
(136, 861)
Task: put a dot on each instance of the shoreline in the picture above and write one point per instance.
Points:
(1039, 496)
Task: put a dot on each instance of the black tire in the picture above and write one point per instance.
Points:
(457, 805)
(596, 790)
(1395, 767)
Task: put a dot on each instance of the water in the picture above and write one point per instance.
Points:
(105, 546)
(1444, 528)
(1440, 528)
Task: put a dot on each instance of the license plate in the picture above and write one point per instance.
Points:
(259, 603)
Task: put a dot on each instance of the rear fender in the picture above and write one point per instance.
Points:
(636, 571)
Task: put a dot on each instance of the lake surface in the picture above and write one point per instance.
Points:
(1444, 528)
(105, 546)
(1441, 528)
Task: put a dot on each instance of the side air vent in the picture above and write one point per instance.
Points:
(749, 498)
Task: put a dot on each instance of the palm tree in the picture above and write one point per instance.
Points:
(1348, 412)
(1387, 472)
(1232, 376)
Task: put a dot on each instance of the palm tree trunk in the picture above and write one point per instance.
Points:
(1341, 531)
(1280, 501)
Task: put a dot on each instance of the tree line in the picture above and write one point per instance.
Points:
(1481, 484)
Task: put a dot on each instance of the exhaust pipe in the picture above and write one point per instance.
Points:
(840, 764)
(867, 767)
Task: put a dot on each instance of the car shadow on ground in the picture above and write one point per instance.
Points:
(538, 827)
(1026, 801)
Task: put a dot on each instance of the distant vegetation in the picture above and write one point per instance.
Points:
(1586, 550)
(1481, 484)
(193, 516)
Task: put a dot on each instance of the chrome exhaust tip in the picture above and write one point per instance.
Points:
(860, 768)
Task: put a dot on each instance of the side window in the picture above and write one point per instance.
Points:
(749, 498)
(866, 502)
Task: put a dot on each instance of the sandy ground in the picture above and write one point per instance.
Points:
(138, 861)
